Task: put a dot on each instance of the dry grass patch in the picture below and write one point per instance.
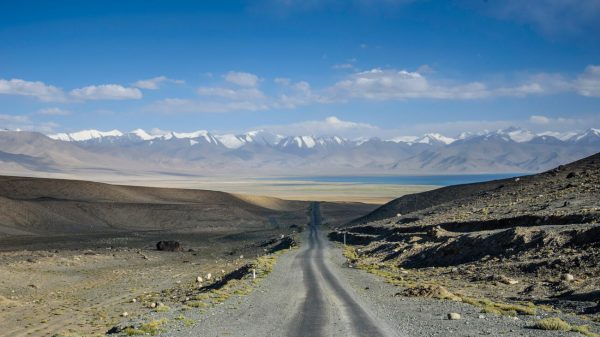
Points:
(152, 328)
(508, 309)
(553, 323)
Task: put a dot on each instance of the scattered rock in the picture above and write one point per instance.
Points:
(152, 305)
(199, 279)
(453, 316)
(208, 276)
(118, 329)
(169, 246)
(567, 277)
(430, 291)
(133, 300)
(505, 280)
(125, 314)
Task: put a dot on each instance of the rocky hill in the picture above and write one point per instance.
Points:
(532, 238)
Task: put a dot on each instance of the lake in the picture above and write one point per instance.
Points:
(438, 180)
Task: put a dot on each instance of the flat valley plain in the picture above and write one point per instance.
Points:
(278, 187)
(74, 254)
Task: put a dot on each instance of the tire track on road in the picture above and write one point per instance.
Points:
(311, 320)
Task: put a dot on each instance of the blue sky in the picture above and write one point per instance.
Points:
(355, 68)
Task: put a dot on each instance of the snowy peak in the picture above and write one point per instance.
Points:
(85, 135)
(265, 138)
(301, 142)
(141, 135)
(403, 139)
(517, 134)
(435, 138)
(588, 137)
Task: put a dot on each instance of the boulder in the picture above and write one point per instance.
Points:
(453, 316)
(169, 246)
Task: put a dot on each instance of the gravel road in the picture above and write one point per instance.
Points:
(311, 293)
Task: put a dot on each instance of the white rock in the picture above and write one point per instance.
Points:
(125, 314)
(208, 276)
(133, 300)
(453, 316)
(152, 305)
(568, 277)
(199, 279)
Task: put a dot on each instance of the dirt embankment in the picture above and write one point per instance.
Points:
(534, 238)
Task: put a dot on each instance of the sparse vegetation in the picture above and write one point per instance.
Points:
(584, 330)
(162, 308)
(553, 323)
(153, 327)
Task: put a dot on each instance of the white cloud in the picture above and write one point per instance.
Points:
(242, 79)
(550, 17)
(538, 119)
(282, 81)
(54, 112)
(232, 94)
(19, 122)
(106, 92)
(330, 126)
(36, 89)
(178, 105)
(390, 84)
(588, 83)
(343, 66)
(155, 82)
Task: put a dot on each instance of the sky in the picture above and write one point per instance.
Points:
(354, 68)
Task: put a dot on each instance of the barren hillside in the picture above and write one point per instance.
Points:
(533, 238)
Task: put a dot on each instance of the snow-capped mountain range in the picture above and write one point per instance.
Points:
(259, 152)
(235, 141)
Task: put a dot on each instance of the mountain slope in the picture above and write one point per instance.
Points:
(507, 240)
(51, 206)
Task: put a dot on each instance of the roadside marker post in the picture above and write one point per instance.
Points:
(344, 238)
(253, 274)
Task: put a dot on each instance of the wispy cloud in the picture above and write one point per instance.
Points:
(155, 82)
(50, 93)
(37, 89)
(106, 92)
(242, 79)
(179, 105)
(588, 83)
(330, 126)
(232, 94)
(392, 84)
(54, 111)
(20, 122)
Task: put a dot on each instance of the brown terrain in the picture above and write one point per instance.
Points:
(509, 246)
(74, 254)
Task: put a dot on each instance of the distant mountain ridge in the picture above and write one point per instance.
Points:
(263, 153)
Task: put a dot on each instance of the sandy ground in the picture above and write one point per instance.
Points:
(83, 286)
(280, 188)
(298, 190)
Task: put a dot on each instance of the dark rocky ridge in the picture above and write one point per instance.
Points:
(533, 229)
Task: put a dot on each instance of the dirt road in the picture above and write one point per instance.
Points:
(304, 296)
